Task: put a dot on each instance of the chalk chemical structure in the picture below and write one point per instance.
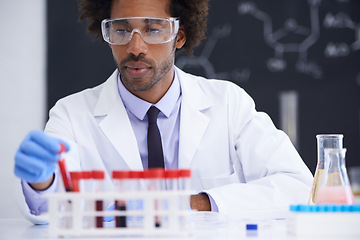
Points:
(341, 20)
(291, 38)
(202, 61)
(273, 38)
(333, 50)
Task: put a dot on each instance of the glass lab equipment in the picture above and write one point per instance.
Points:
(334, 186)
(354, 174)
(334, 141)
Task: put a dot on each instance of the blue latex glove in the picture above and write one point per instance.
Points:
(37, 157)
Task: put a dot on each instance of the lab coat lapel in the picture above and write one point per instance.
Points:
(193, 121)
(116, 125)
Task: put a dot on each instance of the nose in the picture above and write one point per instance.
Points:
(137, 45)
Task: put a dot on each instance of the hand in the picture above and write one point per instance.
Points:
(200, 202)
(37, 156)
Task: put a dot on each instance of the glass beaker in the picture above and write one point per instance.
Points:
(334, 141)
(334, 186)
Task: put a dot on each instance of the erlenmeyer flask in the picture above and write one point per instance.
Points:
(335, 187)
(334, 141)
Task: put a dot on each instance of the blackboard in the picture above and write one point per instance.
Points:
(308, 50)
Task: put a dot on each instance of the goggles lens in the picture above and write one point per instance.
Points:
(119, 31)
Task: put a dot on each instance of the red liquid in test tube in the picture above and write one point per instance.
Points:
(120, 181)
(98, 178)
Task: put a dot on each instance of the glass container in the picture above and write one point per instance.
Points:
(333, 141)
(334, 186)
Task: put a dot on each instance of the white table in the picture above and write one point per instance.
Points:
(209, 226)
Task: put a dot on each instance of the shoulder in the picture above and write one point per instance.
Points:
(87, 95)
(214, 88)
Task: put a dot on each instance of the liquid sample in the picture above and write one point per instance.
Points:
(335, 195)
(315, 186)
(99, 207)
(120, 221)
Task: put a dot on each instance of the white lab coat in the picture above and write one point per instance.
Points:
(236, 153)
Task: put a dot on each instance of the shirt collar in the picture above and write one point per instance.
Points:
(139, 107)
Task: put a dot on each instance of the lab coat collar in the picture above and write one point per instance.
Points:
(115, 124)
(193, 120)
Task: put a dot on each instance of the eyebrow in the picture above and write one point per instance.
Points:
(152, 20)
(122, 21)
(145, 21)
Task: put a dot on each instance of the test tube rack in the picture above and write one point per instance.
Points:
(74, 214)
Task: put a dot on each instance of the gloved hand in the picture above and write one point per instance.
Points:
(37, 157)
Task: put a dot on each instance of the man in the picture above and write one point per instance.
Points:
(239, 159)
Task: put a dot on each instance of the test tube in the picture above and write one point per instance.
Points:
(77, 186)
(171, 203)
(86, 186)
(135, 180)
(155, 179)
(63, 171)
(65, 205)
(184, 185)
(98, 178)
(135, 204)
(85, 183)
(155, 182)
(185, 179)
(120, 181)
(171, 176)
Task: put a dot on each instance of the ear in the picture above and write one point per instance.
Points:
(180, 38)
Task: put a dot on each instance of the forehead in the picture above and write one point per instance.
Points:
(140, 8)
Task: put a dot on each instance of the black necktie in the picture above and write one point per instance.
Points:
(155, 152)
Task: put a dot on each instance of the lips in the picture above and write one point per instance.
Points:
(137, 69)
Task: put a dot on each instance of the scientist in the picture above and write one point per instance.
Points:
(239, 159)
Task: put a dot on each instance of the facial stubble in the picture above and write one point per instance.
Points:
(156, 74)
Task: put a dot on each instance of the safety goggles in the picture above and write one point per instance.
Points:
(153, 30)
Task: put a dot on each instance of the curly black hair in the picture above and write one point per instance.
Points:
(193, 17)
